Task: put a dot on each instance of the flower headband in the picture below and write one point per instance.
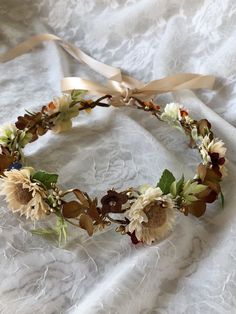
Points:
(145, 214)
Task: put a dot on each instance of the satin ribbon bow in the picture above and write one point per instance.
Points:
(121, 87)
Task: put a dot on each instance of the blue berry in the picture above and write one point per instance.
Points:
(15, 165)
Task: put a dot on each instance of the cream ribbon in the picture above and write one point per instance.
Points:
(121, 87)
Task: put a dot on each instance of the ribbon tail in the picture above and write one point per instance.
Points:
(179, 81)
(201, 81)
(102, 68)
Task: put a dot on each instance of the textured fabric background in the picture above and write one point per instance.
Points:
(191, 272)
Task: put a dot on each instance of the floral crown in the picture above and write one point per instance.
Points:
(145, 214)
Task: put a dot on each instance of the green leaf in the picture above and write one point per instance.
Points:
(61, 228)
(165, 182)
(48, 233)
(45, 178)
(180, 185)
(43, 231)
(60, 231)
(222, 199)
(177, 187)
(75, 94)
(173, 189)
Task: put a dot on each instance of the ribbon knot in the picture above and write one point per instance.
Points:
(120, 87)
(128, 94)
(125, 98)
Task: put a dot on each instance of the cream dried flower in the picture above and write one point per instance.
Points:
(151, 216)
(23, 195)
(61, 105)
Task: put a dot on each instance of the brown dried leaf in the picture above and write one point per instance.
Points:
(213, 175)
(35, 124)
(197, 208)
(92, 211)
(5, 150)
(208, 174)
(5, 162)
(211, 178)
(41, 130)
(86, 223)
(214, 186)
(28, 121)
(81, 197)
(202, 170)
(208, 195)
(72, 209)
(204, 126)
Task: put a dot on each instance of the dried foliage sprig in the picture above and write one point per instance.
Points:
(146, 214)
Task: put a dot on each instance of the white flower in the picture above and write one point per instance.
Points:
(8, 133)
(23, 195)
(61, 105)
(174, 113)
(208, 147)
(217, 146)
(63, 102)
(151, 216)
(171, 112)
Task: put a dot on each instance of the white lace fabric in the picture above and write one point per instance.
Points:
(192, 271)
